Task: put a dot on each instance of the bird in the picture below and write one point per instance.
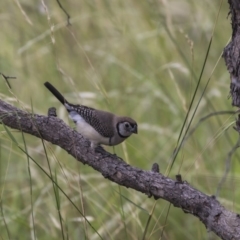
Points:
(99, 127)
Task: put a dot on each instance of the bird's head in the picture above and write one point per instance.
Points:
(126, 127)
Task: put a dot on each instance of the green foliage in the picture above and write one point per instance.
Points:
(137, 58)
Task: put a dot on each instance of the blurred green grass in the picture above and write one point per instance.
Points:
(135, 58)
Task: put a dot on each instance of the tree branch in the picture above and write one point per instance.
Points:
(214, 216)
(231, 53)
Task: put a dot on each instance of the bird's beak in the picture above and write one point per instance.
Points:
(135, 130)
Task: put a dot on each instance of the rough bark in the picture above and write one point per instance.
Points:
(207, 209)
(214, 216)
(231, 53)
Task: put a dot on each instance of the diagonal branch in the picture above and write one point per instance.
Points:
(214, 216)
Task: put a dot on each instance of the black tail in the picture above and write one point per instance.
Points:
(55, 92)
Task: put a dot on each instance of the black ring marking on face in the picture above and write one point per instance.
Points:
(118, 130)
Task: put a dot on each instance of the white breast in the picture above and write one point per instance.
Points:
(87, 130)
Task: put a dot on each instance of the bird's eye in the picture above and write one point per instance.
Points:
(127, 125)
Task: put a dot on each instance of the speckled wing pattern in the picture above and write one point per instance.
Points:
(99, 120)
(102, 122)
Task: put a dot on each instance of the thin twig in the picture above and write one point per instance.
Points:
(205, 118)
(6, 79)
(68, 16)
(227, 166)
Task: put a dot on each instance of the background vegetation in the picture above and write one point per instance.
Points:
(137, 58)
